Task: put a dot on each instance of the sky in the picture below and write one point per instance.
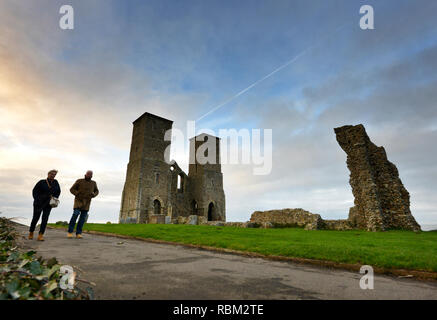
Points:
(68, 97)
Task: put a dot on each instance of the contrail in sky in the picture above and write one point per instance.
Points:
(269, 75)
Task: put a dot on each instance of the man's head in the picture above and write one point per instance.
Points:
(52, 174)
(89, 174)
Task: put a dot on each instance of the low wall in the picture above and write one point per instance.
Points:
(266, 219)
(128, 220)
(337, 225)
(288, 218)
(157, 218)
(193, 219)
(298, 218)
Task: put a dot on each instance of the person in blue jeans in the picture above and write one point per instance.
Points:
(83, 190)
(82, 217)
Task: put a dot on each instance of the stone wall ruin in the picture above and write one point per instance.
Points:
(381, 200)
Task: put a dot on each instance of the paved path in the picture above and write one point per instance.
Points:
(134, 269)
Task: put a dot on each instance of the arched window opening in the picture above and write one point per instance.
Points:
(156, 207)
(180, 183)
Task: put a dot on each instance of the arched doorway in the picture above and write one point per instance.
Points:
(156, 207)
(211, 212)
(194, 207)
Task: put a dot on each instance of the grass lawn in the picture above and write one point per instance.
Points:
(391, 249)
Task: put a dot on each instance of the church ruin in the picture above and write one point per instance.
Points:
(159, 191)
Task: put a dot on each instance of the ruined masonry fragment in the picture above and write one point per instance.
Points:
(381, 200)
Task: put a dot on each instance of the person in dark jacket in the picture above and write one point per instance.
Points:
(43, 191)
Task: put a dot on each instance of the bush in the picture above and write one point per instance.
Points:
(25, 277)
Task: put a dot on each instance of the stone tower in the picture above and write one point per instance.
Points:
(381, 200)
(159, 191)
(206, 177)
(145, 190)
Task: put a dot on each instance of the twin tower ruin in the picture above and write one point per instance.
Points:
(157, 190)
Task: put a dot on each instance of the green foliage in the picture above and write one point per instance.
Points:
(25, 277)
(391, 249)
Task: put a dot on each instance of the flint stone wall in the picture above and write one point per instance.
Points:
(342, 224)
(192, 219)
(157, 219)
(288, 218)
(381, 200)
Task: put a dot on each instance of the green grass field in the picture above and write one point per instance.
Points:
(391, 249)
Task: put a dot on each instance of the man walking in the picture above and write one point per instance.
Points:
(83, 190)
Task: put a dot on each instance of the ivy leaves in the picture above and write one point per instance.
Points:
(24, 276)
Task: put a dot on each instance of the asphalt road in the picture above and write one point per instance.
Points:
(134, 269)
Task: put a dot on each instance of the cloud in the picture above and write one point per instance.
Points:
(69, 115)
(397, 104)
(67, 99)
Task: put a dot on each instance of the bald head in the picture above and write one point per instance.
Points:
(89, 174)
